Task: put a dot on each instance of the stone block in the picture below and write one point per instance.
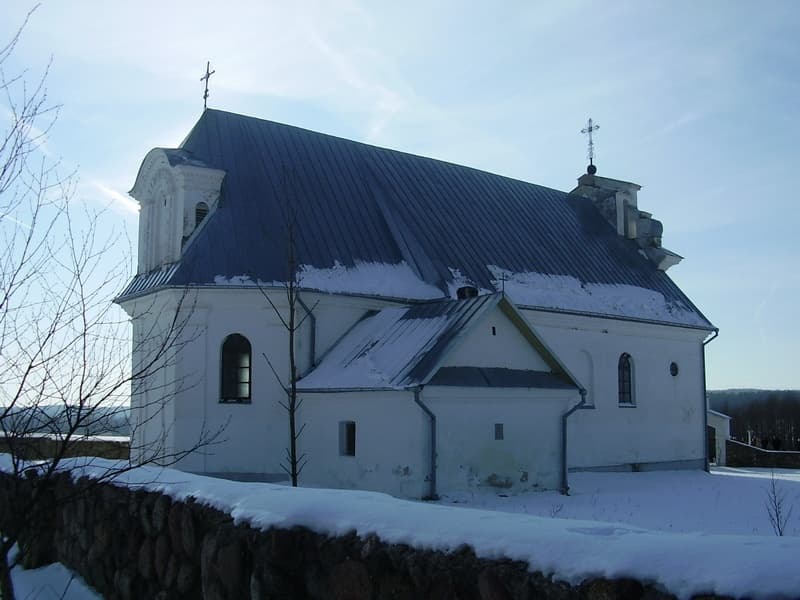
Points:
(186, 579)
(170, 573)
(350, 580)
(144, 562)
(611, 589)
(123, 584)
(188, 532)
(162, 554)
(174, 526)
(491, 587)
(230, 568)
(159, 515)
(394, 586)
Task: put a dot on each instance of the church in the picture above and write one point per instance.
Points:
(451, 329)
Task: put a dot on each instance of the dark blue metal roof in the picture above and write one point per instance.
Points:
(357, 203)
(498, 377)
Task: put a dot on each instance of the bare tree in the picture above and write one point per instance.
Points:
(291, 322)
(66, 368)
(778, 510)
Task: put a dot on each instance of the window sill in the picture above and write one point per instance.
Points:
(626, 405)
(247, 401)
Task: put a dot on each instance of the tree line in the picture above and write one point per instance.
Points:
(768, 419)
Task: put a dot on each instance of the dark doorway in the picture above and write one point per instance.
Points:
(711, 434)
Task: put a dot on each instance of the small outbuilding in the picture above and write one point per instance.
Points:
(719, 430)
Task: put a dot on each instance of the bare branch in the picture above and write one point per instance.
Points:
(66, 361)
(777, 510)
(274, 372)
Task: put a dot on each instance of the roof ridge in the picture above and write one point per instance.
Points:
(373, 146)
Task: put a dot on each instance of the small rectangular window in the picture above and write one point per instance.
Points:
(347, 438)
(498, 431)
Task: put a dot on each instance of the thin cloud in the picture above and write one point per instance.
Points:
(383, 102)
(118, 199)
(13, 220)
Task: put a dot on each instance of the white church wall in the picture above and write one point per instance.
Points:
(495, 342)
(154, 321)
(392, 442)
(254, 434)
(665, 425)
(469, 456)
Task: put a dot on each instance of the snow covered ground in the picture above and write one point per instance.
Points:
(730, 501)
(689, 531)
(53, 582)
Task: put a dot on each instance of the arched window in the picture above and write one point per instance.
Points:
(625, 372)
(200, 212)
(236, 369)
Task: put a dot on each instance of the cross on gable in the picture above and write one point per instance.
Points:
(590, 127)
(205, 78)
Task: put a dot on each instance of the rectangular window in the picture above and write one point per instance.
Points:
(347, 438)
(498, 431)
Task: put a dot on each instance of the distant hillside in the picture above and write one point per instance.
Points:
(724, 400)
(772, 417)
(54, 419)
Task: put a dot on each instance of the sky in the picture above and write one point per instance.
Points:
(697, 102)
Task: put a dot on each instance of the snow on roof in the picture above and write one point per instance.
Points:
(373, 279)
(572, 550)
(402, 347)
(717, 413)
(562, 292)
(395, 347)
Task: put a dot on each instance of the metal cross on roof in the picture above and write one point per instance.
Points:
(503, 279)
(205, 78)
(590, 127)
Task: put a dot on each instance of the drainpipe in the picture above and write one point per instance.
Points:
(312, 324)
(564, 467)
(417, 393)
(705, 401)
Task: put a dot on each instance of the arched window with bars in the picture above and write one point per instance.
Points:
(236, 369)
(625, 374)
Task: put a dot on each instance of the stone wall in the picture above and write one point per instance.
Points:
(744, 455)
(135, 544)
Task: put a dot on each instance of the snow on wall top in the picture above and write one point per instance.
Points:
(572, 550)
(356, 204)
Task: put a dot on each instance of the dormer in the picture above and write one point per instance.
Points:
(617, 201)
(176, 195)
